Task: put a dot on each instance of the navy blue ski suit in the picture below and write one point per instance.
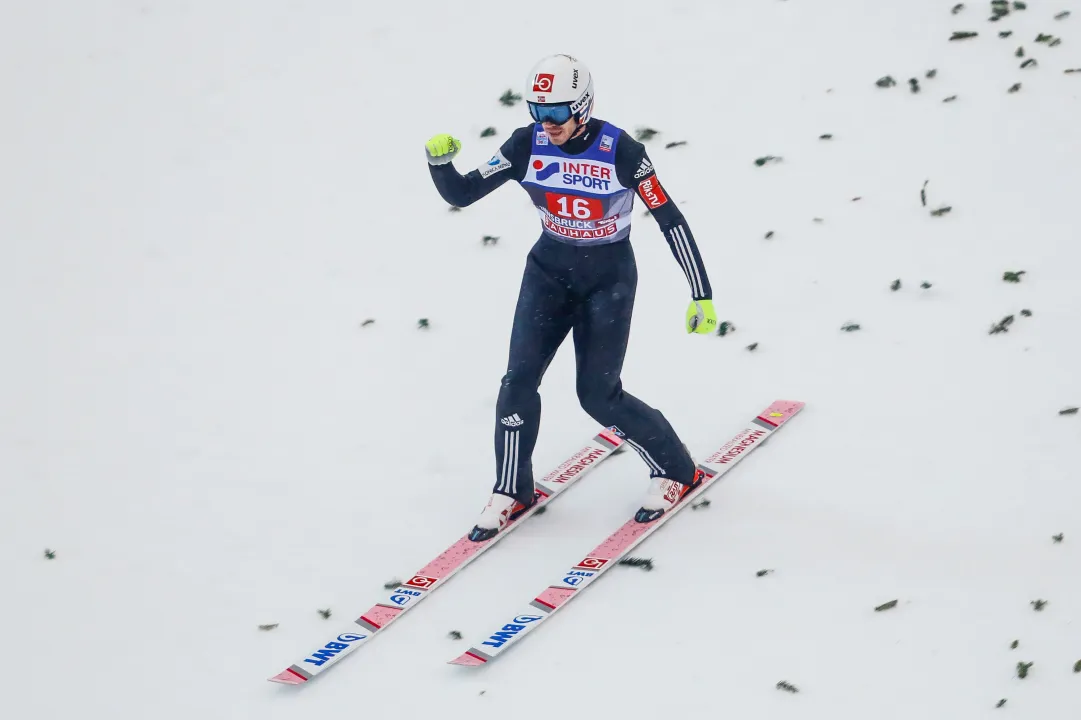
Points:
(580, 277)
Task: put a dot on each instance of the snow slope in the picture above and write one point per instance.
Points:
(200, 203)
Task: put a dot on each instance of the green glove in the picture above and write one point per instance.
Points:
(441, 149)
(701, 317)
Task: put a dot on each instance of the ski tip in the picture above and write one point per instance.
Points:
(288, 677)
(780, 411)
(468, 659)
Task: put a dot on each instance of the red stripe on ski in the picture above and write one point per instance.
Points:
(468, 659)
(289, 677)
(380, 616)
(781, 411)
(375, 625)
(553, 597)
(610, 437)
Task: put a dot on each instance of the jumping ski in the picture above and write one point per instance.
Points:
(625, 539)
(433, 575)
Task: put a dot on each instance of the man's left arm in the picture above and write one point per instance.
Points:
(635, 170)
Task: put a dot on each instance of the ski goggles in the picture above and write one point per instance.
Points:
(557, 114)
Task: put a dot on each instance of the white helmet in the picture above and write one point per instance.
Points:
(560, 87)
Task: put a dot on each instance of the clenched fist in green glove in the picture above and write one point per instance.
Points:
(701, 317)
(441, 149)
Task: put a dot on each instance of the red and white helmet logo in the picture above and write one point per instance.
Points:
(543, 82)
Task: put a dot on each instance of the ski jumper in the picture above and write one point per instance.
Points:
(580, 278)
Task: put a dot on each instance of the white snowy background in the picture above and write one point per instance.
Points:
(201, 202)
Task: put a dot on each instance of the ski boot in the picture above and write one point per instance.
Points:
(664, 494)
(500, 510)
